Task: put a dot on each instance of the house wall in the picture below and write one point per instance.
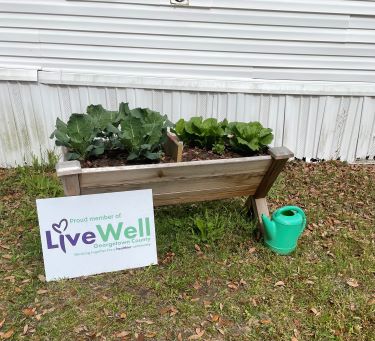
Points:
(305, 69)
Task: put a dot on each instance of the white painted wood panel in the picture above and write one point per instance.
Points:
(314, 127)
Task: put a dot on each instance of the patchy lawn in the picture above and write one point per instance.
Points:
(231, 289)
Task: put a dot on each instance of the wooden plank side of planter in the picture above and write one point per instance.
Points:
(203, 195)
(91, 178)
(183, 185)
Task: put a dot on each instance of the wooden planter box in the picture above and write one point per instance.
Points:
(182, 182)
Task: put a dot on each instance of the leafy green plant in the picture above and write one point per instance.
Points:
(248, 138)
(102, 118)
(206, 133)
(142, 132)
(80, 136)
(209, 228)
(139, 132)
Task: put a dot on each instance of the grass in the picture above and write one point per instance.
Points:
(231, 289)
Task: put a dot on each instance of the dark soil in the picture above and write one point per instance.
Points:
(117, 158)
(198, 154)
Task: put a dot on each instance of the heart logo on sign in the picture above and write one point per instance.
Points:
(61, 226)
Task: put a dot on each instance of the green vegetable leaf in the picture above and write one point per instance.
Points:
(202, 133)
(248, 138)
(101, 117)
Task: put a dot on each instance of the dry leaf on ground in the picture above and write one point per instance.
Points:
(233, 286)
(42, 291)
(199, 333)
(145, 321)
(352, 283)
(265, 321)
(42, 278)
(122, 334)
(150, 334)
(315, 311)
(279, 284)
(197, 285)
(7, 335)
(29, 311)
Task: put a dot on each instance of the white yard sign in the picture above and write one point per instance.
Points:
(92, 234)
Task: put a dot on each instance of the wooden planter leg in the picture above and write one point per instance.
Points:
(280, 156)
(259, 207)
(68, 172)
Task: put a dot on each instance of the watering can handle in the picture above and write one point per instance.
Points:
(293, 208)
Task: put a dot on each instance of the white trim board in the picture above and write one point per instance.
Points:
(217, 85)
(18, 74)
(350, 7)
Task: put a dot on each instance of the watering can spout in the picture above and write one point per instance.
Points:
(269, 227)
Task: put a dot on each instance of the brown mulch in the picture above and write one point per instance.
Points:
(117, 158)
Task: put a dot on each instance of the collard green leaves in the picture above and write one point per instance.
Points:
(139, 132)
(143, 133)
(79, 136)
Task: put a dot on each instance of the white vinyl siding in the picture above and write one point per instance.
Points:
(290, 40)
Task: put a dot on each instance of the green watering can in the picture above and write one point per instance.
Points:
(282, 232)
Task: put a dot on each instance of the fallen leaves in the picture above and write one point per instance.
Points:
(145, 321)
(198, 250)
(315, 311)
(235, 285)
(252, 250)
(352, 283)
(150, 335)
(42, 291)
(12, 279)
(171, 311)
(198, 334)
(168, 258)
(29, 311)
(265, 321)
(279, 284)
(197, 285)
(214, 318)
(25, 329)
(7, 335)
(122, 334)
(42, 278)
(2, 323)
